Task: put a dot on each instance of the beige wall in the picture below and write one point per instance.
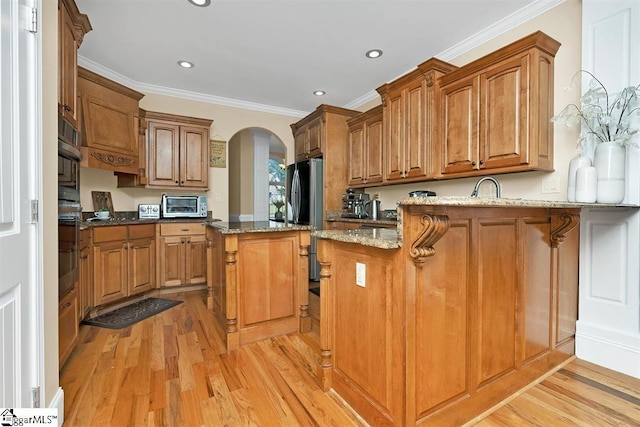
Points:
(227, 121)
(241, 170)
(49, 212)
(563, 23)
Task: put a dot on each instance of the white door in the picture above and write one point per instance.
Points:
(20, 337)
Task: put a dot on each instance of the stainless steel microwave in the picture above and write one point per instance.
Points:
(184, 206)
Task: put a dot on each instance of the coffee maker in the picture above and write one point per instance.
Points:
(354, 204)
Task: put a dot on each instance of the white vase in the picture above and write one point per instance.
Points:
(586, 184)
(609, 161)
(575, 164)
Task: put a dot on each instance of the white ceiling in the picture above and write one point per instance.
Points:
(272, 54)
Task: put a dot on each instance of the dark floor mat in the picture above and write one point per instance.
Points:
(127, 316)
(315, 291)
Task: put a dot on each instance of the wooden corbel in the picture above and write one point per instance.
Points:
(434, 227)
(567, 222)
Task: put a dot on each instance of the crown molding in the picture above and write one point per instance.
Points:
(185, 94)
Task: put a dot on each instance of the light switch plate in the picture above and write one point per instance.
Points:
(361, 274)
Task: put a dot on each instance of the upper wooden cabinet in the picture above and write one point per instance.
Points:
(326, 134)
(307, 140)
(72, 26)
(109, 119)
(496, 110)
(410, 115)
(365, 148)
(177, 151)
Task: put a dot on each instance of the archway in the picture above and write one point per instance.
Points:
(255, 184)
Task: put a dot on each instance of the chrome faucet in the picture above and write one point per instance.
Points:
(487, 178)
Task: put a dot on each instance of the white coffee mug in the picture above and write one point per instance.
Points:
(102, 214)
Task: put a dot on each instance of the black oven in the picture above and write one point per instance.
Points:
(69, 208)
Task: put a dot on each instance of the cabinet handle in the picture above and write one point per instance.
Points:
(181, 182)
(177, 182)
(66, 107)
(473, 163)
(184, 229)
(482, 162)
(84, 257)
(67, 305)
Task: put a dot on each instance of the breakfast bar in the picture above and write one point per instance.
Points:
(470, 300)
(257, 275)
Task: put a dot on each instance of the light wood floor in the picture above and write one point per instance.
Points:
(172, 370)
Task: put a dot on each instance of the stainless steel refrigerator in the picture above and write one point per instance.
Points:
(304, 203)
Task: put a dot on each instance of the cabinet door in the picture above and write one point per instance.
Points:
(394, 150)
(314, 133)
(67, 325)
(172, 253)
(164, 154)
(110, 271)
(356, 157)
(194, 157)
(142, 261)
(300, 142)
(67, 69)
(85, 297)
(504, 114)
(415, 139)
(195, 260)
(373, 151)
(459, 126)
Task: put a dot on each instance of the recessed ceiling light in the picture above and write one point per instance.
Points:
(374, 53)
(185, 64)
(200, 3)
(318, 92)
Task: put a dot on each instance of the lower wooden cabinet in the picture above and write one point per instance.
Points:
(124, 259)
(85, 283)
(67, 325)
(182, 254)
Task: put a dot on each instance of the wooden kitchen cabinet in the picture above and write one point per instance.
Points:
(326, 134)
(124, 259)
(72, 26)
(366, 148)
(85, 289)
(182, 254)
(110, 118)
(178, 151)
(496, 110)
(410, 111)
(308, 140)
(67, 325)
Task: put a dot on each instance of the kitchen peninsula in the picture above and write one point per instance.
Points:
(470, 300)
(258, 279)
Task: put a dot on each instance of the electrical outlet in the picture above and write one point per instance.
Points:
(361, 274)
(216, 197)
(550, 185)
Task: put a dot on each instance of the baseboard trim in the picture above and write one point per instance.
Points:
(58, 403)
(611, 349)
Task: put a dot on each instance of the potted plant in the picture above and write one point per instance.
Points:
(610, 123)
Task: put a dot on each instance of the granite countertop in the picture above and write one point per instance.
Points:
(133, 221)
(383, 238)
(256, 227)
(501, 202)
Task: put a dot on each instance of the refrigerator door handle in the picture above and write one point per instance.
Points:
(296, 197)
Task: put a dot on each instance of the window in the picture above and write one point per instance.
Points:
(277, 199)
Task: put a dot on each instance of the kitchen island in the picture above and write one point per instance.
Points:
(258, 279)
(469, 301)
